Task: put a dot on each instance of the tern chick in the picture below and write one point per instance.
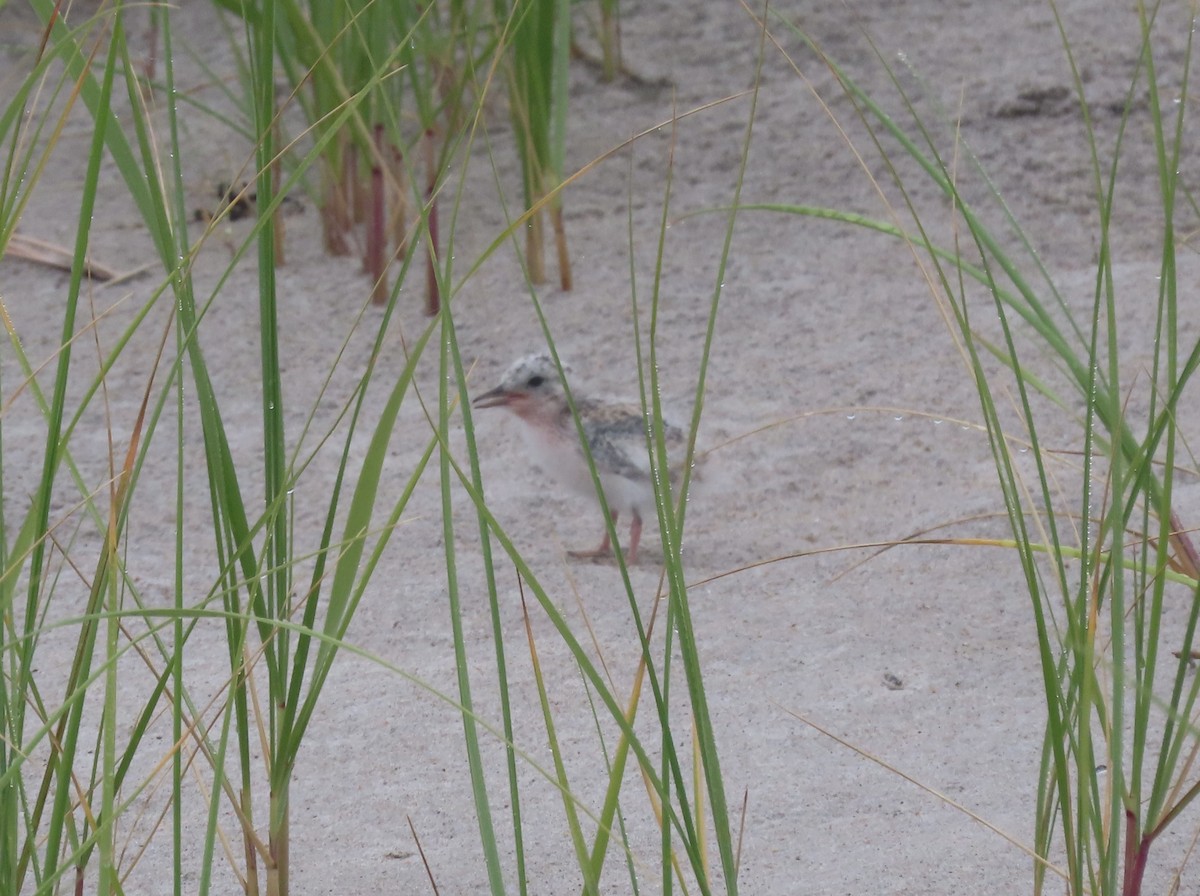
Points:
(615, 432)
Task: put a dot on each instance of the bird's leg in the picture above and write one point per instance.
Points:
(635, 535)
(604, 550)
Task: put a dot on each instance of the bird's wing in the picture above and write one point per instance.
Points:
(617, 440)
(616, 436)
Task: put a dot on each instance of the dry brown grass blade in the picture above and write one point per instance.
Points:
(1186, 559)
(39, 251)
(947, 800)
(879, 545)
(421, 852)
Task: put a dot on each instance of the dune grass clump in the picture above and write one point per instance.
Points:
(109, 733)
(1111, 567)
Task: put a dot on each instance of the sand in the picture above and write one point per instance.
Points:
(828, 340)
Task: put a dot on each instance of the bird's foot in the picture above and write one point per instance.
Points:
(601, 553)
(604, 552)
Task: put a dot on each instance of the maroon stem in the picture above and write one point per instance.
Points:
(1137, 855)
(355, 192)
(1133, 877)
(433, 301)
(565, 279)
(376, 263)
(397, 237)
(333, 214)
(150, 65)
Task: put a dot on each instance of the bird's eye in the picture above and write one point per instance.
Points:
(535, 381)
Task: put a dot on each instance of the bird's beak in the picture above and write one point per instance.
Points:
(496, 398)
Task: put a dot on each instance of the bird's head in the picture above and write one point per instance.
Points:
(531, 386)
